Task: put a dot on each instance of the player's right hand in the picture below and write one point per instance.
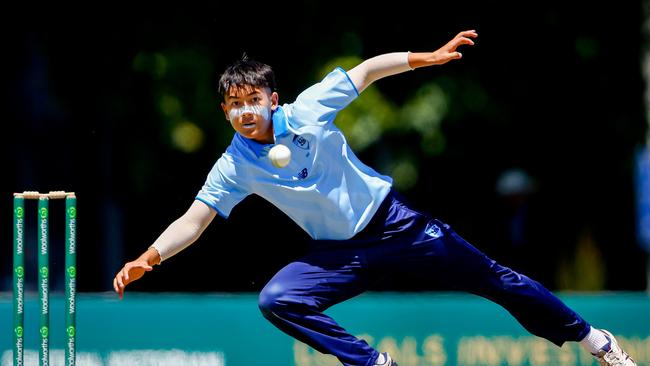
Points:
(130, 272)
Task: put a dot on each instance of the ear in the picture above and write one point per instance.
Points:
(275, 99)
(225, 111)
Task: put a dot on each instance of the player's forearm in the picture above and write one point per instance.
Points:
(178, 236)
(388, 64)
(423, 59)
(184, 231)
(379, 67)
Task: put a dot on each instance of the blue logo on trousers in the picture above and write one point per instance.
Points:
(433, 231)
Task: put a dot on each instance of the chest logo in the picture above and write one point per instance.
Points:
(301, 142)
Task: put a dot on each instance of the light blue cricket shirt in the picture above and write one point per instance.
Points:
(325, 188)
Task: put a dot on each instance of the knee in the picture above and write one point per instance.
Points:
(271, 299)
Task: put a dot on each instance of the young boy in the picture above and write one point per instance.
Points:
(361, 228)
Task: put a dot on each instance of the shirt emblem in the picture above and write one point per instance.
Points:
(301, 142)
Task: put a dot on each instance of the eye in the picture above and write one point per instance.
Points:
(255, 99)
(234, 103)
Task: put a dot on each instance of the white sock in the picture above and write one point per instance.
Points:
(380, 360)
(594, 341)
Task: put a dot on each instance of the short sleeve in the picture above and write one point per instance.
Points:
(319, 104)
(221, 190)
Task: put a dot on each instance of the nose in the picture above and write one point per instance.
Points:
(249, 109)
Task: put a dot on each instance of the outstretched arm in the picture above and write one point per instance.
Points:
(184, 231)
(388, 64)
(180, 234)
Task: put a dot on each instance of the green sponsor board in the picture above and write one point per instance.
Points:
(425, 329)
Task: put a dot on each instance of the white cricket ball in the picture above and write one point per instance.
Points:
(280, 155)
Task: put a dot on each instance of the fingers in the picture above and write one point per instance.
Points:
(464, 40)
(118, 285)
(125, 272)
(122, 278)
(460, 40)
(468, 33)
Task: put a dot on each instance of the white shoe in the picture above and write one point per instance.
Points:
(615, 356)
(387, 360)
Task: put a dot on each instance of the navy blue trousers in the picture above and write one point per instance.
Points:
(400, 239)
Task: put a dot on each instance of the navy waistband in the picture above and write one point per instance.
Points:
(368, 234)
(379, 218)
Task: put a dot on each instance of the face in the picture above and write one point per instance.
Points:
(248, 109)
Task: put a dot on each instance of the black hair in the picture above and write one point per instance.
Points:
(246, 71)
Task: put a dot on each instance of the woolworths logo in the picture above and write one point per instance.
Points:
(20, 271)
(44, 272)
(19, 331)
(43, 213)
(20, 212)
(72, 212)
(72, 271)
(71, 331)
(44, 332)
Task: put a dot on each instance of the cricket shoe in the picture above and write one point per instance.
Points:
(387, 361)
(612, 354)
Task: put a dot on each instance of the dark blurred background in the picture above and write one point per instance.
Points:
(525, 146)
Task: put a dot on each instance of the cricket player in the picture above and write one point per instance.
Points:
(362, 229)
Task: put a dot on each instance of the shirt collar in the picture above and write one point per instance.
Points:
(279, 122)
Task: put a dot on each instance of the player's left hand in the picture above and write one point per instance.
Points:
(448, 52)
